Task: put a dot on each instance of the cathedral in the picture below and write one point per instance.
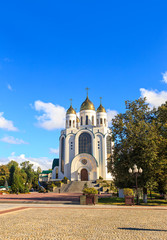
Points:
(84, 145)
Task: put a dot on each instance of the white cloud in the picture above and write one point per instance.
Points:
(53, 116)
(54, 151)
(153, 97)
(9, 87)
(43, 162)
(110, 115)
(12, 140)
(6, 124)
(164, 75)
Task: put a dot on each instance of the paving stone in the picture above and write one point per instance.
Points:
(83, 223)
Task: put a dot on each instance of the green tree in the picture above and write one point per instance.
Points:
(17, 178)
(18, 184)
(12, 166)
(161, 116)
(35, 184)
(136, 142)
(28, 169)
(151, 185)
(4, 174)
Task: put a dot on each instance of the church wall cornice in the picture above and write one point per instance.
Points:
(85, 130)
(100, 133)
(70, 134)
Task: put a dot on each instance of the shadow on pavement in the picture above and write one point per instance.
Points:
(143, 229)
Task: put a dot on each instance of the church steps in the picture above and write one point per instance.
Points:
(77, 186)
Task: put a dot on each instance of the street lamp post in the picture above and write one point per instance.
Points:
(136, 172)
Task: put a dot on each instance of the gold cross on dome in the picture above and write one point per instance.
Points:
(71, 101)
(100, 99)
(87, 89)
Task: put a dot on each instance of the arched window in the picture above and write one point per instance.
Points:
(105, 121)
(66, 123)
(73, 123)
(86, 119)
(108, 140)
(97, 121)
(70, 123)
(93, 120)
(62, 154)
(81, 121)
(101, 120)
(85, 143)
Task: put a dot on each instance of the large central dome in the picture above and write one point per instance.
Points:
(87, 105)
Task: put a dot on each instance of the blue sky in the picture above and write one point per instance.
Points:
(51, 50)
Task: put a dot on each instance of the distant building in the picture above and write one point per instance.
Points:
(45, 176)
(85, 145)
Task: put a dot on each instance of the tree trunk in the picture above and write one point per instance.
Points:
(150, 195)
(145, 195)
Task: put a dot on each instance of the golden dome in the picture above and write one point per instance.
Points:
(71, 110)
(78, 120)
(87, 105)
(101, 109)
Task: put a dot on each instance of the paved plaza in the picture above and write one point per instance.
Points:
(41, 197)
(58, 221)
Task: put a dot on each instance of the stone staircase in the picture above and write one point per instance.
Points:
(74, 187)
(77, 186)
(62, 189)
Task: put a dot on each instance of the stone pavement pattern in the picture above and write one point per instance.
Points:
(78, 223)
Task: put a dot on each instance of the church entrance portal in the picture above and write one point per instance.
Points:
(84, 175)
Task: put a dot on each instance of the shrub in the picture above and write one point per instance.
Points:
(128, 192)
(4, 191)
(85, 185)
(113, 187)
(90, 191)
(65, 178)
(42, 190)
(52, 185)
(100, 178)
(58, 182)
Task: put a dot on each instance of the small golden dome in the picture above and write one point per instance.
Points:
(87, 105)
(71, 110)
(78, 120)
(101, 109)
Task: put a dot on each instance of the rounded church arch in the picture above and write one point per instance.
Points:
(84, 161)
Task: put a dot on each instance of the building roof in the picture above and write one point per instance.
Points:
(71, 110)
(55, 163)
(101, 109)
(46, 171)
(87, 105)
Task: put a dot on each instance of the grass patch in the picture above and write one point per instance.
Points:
(112, 201)
(155, 202)
(121, 201)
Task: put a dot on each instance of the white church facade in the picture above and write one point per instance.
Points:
(85, 145)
